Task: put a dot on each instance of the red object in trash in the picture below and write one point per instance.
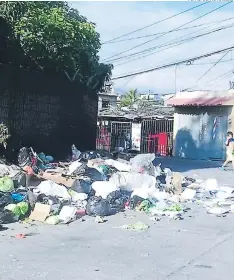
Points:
(80, 212)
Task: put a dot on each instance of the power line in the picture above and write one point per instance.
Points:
(173, 64)
(226, 74)
(159, 33)
(171, 44)
(203, 75)
(107, 59)
(154, 23)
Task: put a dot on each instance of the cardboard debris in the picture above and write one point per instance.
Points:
(40, 212)
(59, 179)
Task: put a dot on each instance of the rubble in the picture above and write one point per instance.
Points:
(98, 186)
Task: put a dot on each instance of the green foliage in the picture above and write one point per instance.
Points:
(55, 36)
(129, 98)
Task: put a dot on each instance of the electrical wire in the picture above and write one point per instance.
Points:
(154, 23)
(226, 74)
(217, 62)
(171, 44)
(173, 64)
(159, 33)
(172, 30)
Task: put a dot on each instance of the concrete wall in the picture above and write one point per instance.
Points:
(46, 111)
(199, 133)
(112, 98)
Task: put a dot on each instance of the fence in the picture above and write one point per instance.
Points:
(113, 135)
(156, 136)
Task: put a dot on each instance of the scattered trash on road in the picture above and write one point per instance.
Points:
(102, 186)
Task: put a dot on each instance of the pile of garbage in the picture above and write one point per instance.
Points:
(41, 190)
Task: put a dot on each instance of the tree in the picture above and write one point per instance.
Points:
(55, 36)
(129, 98)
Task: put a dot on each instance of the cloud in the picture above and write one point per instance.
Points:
(114, 19)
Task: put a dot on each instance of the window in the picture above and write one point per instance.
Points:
(105, 103)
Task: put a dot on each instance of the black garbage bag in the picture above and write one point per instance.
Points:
(19, 180)
(97, 206)
(24, 157)
(82, 186)
(93, 174)
(135, 201)
(5, 199)
(47, 199)
(89, 155)
(117, 200)
(6, 217)
(80, 170)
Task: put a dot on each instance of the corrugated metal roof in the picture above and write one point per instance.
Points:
(202, 98)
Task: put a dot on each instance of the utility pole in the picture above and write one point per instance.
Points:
(176, 77)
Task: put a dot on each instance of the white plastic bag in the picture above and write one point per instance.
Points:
(210, 184)
(53, 189)
(103, 188)
(67, 214)
(118, 165)
(188, 194)
(142, 163)
(73, 166)
(132, 180)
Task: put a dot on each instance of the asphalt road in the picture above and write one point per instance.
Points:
(198, 247)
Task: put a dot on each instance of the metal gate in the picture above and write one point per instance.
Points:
(157, 136)
(121, 133)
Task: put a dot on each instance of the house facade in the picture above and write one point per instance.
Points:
(201, 121)
(107, 99)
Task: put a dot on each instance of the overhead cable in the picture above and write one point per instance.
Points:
(154, 23)
(159, 33)
(170, 44)
(172, 30)
(173, 64)
(203, 75)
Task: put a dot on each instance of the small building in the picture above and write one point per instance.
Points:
(107, 99)
(145, 127)
(201, 121)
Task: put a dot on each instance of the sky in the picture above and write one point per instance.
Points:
(114, 19)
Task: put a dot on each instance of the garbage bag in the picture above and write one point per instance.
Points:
(76, 167)
(98, 206)
(89, 155)
(106, 171)
(117, 200)
(130, 181)
(82, 186)
(19, 180)
(18, 210)
(120, 166)
(6, 184)
(143, 163)
(135, 201)
(52, 220)
(4, 170)
(53, 189)
(7, 217)
(94, 174)
(24, 157)
(103, 188)
(5, 199)
(18, 197)
(75, 153)
(47, 199)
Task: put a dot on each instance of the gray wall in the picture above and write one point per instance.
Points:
(199, 132)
